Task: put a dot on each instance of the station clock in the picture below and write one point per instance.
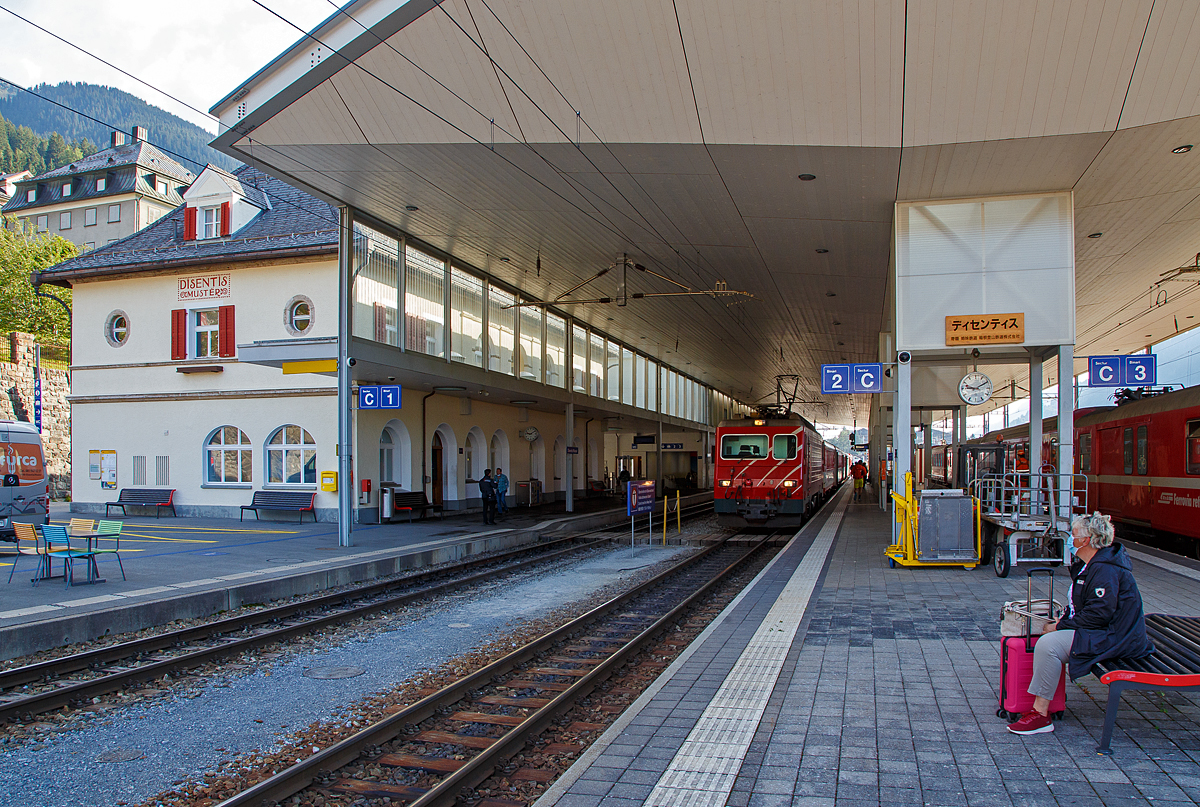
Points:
(975, 388)
(531, 434)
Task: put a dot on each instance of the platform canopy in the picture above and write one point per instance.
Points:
(683, 133)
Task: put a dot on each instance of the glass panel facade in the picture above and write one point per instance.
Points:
(596, 373)
(627, 376)
(639, 391)
(579, 371)
(502, 330)
(466, 318)
(612, 367)
(424, 303)
(376, 294)
(651, 385)
(531, 344)
(556, 350)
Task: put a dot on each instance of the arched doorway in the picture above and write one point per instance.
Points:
(395, 455)
(436, 462)
(445, 471)
(475, 457)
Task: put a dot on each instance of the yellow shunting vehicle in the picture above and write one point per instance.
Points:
(939, 528)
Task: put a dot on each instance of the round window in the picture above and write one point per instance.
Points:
(116, 328)
(298, 316)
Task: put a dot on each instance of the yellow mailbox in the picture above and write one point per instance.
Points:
(329, 481)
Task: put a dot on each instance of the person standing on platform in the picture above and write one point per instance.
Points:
(859, 471)
(487, 492)
(501, 492)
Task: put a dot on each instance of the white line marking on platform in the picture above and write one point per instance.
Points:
(89, 600)
(1154, 560)
(706, 765)
(30, 611)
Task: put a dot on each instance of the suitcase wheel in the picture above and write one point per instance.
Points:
(1059, 715)
(1002, 713)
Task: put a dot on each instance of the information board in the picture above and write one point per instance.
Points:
(850, 378)
(639, 497)
(379, 397)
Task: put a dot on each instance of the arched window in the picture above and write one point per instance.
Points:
(387, 456)
(229, 456)
(291, 457)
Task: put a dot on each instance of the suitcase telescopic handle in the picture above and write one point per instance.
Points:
(1029, 598)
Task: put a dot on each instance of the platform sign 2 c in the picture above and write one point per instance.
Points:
(639, 497)
(851, 378)
(379, 397)
(1123, 371)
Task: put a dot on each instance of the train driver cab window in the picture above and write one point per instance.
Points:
(1193, 447)
(1085, 452)
(1129, 451)
(1143, 450)
(785, 447)
(743, 446)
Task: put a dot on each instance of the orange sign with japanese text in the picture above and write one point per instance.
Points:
(985, 329)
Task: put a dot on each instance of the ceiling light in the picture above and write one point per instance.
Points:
(841, 344)
(449, 389)
(811, 177)
(411, 208)
(830, 294)
(522, 403)
(504, 260)
(1182, 149)
(835, 322)
(822, 251)
(1095, 235)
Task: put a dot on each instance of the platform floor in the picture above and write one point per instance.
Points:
(836, 680)
(169, 556)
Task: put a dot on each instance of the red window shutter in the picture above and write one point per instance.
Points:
(178, 334)
(189, 224)
(226, 215)
(380, 323)
(226, 342)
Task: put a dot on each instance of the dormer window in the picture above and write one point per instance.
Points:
(212, 222)
(66, 189)
(31, 195)
(101, 182)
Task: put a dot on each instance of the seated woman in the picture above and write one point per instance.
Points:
(1104, 619)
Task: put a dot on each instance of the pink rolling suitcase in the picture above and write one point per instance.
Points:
(1016, 668)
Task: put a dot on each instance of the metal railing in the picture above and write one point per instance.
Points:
(1026, 498)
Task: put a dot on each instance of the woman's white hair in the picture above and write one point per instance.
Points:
(1099, 529)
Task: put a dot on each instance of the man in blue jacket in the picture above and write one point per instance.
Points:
(487, 492)
(1104, 619)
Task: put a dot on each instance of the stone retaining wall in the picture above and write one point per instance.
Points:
(16, 403)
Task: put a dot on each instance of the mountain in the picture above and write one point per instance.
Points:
(184, 141)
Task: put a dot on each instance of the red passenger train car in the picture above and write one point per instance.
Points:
(773, 471)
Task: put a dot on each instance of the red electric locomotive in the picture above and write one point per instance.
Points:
(773, 471)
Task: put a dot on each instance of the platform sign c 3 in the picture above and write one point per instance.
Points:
(985, 329)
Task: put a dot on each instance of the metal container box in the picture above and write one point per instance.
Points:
(946, 527)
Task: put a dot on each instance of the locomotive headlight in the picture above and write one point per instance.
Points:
(789, 483)
(760, 423)
(725, 483)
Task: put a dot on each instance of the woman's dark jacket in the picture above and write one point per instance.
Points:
(1108, 620)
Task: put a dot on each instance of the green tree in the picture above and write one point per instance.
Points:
(22, 252)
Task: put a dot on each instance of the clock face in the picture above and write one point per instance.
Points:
(530, 434)
(975, 388)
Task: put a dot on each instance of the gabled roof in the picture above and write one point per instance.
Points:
(295, 224)
(251, 194)
(130, 155)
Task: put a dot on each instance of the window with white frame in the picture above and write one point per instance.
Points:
(101, 184)
(31, 195)
(299, 316)
(211, 217)
(387, 456)
(89, 217)
(206, 324)
(43, 223)
(291, 457)
(229, 457)
(64, 220)
(116, 328)
(163, 186)
(114, 214)
(66, 189)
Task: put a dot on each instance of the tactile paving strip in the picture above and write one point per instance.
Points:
(703, 771)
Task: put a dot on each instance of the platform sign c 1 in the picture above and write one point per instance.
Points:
(639, 497)
(373, 396)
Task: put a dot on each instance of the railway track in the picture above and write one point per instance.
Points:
(110, 669)
(450, 741)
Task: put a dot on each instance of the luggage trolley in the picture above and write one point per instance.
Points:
(1026, 516)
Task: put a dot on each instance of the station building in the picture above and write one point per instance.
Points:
(201, 346)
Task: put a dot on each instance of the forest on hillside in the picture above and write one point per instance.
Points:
(184, 141)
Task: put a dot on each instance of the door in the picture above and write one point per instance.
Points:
(1111, 480)
(436, 497)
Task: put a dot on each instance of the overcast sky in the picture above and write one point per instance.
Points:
(198, 52)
